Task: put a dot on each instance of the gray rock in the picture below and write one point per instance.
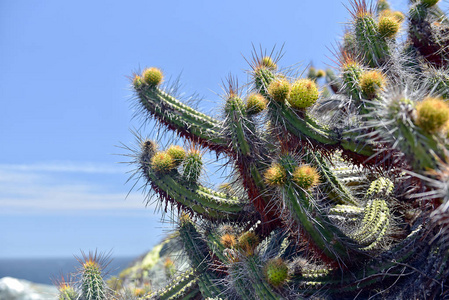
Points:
(18, 289)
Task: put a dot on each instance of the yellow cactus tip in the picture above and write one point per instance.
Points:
(382, 5)
(138, 292)
(276, 272)
(91, 264)
(177, 153)
(306, 177)
(184, 219)
(275, 175)
(371, 83)
(279, 90)
(137, 81)
(399, 16)
(320, 73)
(389, 26)
(152, 76)
(268, 63)
(256, 103)
(168, 263)
(432, 114)
(162, 162)
(228, 240)
(304, 93)
(247, 242)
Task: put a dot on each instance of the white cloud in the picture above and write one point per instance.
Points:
(67, 167)
(52, 189)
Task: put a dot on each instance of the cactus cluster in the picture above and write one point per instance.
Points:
(339, 182)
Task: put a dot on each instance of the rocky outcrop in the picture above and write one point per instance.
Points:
(17, 289)
(154, 269)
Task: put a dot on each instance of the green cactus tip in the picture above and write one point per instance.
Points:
(276, 272)
(234, 103)
(193, 165)
(66, 289)
(93, 286)
(137, 81)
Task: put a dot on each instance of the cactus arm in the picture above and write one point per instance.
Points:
(325, 236)
(186, 121)
(334, 188)
(419, 146)
(198, 253)
(202, 200)
(244, 140)
(370, 42)
(181, 287)
(238, 127)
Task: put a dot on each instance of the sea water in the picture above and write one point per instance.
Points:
(44, 270)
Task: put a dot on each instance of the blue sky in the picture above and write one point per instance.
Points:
(66, 103)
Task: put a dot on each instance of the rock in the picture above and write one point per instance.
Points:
(150, 272)
(17, 289)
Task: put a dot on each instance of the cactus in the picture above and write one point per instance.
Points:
(339, 194)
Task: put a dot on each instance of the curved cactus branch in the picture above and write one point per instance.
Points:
(188, 122)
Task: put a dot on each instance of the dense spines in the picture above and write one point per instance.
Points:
(92, 285)
(199, 256)
(369, 41)
(152, 76)
(279, 90)
(192, 166)
(255, 103)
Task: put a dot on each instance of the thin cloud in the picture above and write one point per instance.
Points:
(41, 188)
(66, 167)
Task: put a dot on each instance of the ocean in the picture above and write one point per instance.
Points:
(43, 270)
